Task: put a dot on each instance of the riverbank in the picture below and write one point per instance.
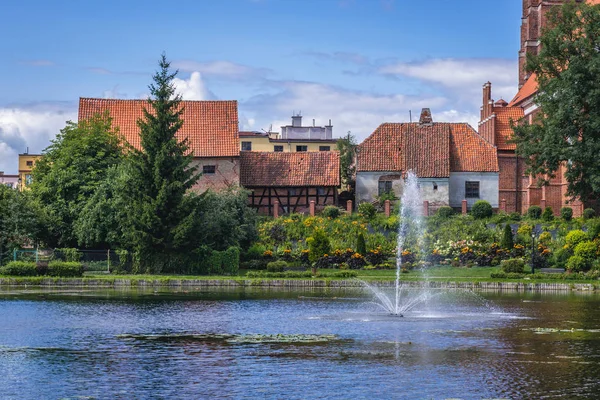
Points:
(240, 282)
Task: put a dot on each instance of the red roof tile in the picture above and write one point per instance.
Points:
(289, 169)
(469, 152)
(503, 130)
(210, 126)
(527, 90)
(431, 151)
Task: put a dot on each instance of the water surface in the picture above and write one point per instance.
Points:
(67, 344)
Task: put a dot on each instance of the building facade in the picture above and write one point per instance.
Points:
(11, 181)
(452, 163)
(289, 181)
(211, 128)
(26, 164)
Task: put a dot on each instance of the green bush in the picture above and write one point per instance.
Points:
(566, 213)
(575, 237)
(255, 252)
(319, 245)
(65, 269)
(507, 275)
(548, 214)
(19, 268)
(254, 264)
(69, 254)
(361, 245)
(277, 266)
(593, 229)
(367, 210)
(586, 250)
(482, 209)
(445, 212)
(507, 241)
(560, 257)
(534, 212)
(331, 212)
(589, 213)
(225, 262)
(577, 264)
(514, 216)
(513, 265)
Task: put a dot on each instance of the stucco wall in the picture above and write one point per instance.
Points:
(488, 187)
(227, 173)
(367, 186)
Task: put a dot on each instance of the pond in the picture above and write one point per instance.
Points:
(249, 343)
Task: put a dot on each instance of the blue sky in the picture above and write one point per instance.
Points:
(357, 62)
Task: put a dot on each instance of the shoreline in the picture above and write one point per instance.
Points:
(287, 283)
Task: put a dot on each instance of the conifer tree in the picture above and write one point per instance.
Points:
(163, 217)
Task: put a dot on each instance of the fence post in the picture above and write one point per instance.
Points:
(108, 259)
(386, 208)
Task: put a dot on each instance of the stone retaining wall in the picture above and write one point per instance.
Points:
(296, 283)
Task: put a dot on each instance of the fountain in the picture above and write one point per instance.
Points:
(410, 220)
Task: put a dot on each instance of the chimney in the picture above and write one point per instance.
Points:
(329, 131)
(297, 120)
(487, 102)
(426, 118)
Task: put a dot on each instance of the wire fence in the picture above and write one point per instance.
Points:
(98, 261)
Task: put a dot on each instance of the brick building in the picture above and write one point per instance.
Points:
(290, 180)
(515, 187)
(452, 163)
(210, 126)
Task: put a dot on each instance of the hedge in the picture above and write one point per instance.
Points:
(19, 268)
(224, 262)
(65, 269)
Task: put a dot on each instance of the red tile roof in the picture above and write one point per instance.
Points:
(289, 169)
(527, 90)
(210, 126)
(431, 151)
(503, 130)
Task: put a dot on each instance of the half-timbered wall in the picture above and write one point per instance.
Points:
(291, 200)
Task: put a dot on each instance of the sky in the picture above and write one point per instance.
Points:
(359, 63)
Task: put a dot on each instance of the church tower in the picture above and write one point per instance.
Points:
(533, 21)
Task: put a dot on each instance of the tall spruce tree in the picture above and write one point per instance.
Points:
(163, 218)
(567, 130)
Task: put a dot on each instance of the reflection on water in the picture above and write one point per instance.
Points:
(257, 343)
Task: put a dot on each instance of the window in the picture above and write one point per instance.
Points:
(324, 148)
(246, 146)
(435, 187)
(28, 180)
(322, 191)
(30, 163)
(209, 169)
(472, 189)
(301, 148)
(278, 149)
(385, 187)
(293, 192)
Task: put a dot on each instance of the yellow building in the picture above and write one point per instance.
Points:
(259, 141)
(26, 164)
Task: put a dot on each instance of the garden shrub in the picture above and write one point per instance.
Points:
(357, 261)
(319, 245)
(19, 268)
(367, 210)
(577, 264)
(566, 213)
(589, 213)
(586, 250)
(361, 245)
(331, 212)
(254, 264)
(507, 275)
(69, 254)
(255, 252)
(507, 241)
(534, 212)
(561, 256)
(548, 214)
(482, 209)
(514, 216)
(445, 212)
(65, 269)
(575, 237)
(376, 256)
(225, 262)
(276, 266)
(545, 238)
(513, 265)
(593, 229)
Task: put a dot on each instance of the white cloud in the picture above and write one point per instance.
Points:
(193, 88)
(219, 69)
(29, 126)
(359, 112)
